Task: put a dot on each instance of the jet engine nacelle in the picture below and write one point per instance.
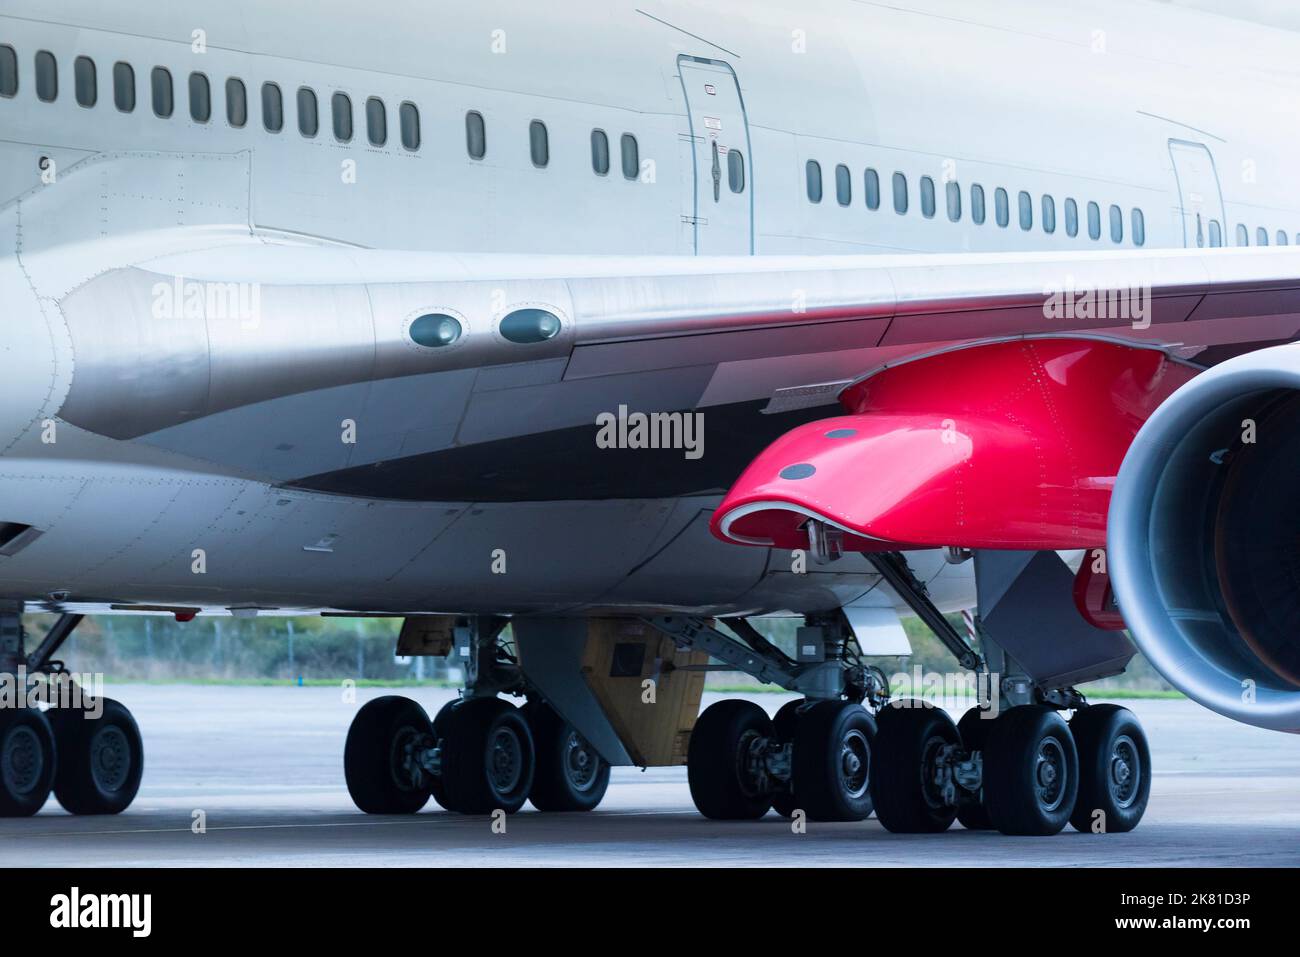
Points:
(1204, 538)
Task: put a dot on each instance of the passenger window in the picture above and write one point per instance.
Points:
(160, 81)
(376, 121)
(124, 86)
(341, 107)
(1281, 238)
(308, 112)
(1261, 236)
(1002, 207)
(1049, 214)
(977, 204)
(1026, 208)
(1216, 233)
(409, 118)
(900, 193)
(1116, 225)
(47, 76)
(200, 98)
(631, 156)
(1094, 221)
(475, 135)
(871, 187)
(85, 81)
(1071, 218)
(843, 185)
(539, 145)
(236, 103)
(1140, 228)
(272, 108)
(813, 180)
(8, 71)
(1243, 235)
(954, 201)
(927, 197)
(736, 171)
(599, 153)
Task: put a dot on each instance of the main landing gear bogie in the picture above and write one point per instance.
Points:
(814, 756)
(1024, 772)
(479, 755)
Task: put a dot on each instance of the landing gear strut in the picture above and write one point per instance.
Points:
(89, 753)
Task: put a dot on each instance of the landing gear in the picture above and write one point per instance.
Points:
(88, 753)
(725, 764)
(101, 759)
(814, 756)
(487, 757)
(1114, 769)
(1031, 771)
(974, 730)
(915, 739)
(570, 775)
(832, 761)
(27, 762)
(383, 756)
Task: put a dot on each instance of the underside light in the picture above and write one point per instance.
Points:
(1006, 444)
(526, 326)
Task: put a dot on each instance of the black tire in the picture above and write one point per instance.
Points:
(827, 736)
(908, 741)
(1114, 768)
(783, 724)
(570, 775)
(974, 730)
(715, 762)
(437, 788)
(1031, 771)
(28, 762)
(101, 759)
(373, 766)
(488, 759)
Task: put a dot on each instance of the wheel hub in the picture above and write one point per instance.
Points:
(22, 761)
(1049, 774)
(505, 760)
(1125, 771)
(579, 763)
(854, 763)
(110, 758)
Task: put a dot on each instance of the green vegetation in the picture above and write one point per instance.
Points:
(324, 651)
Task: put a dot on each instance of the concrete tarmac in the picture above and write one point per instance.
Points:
(262, 767)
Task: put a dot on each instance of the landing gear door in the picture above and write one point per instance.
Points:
(722, 211)
(1200, 201)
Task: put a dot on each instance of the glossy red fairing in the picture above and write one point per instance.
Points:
(1011, 444)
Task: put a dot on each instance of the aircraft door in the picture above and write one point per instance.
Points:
(722, 211)
(1200, 200)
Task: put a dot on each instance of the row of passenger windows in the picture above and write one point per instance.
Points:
(161, 92)
(978, 211)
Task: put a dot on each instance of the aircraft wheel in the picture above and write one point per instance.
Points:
(570, 775)
(378, 758)
(974, 730)
(1114, 768)
(783, 723)
(28, 762)
(724, 783)
(488, 759)
(1031, 771)
(100, 761)
(908, 745)
(833, 743)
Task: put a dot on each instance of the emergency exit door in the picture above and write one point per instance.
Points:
(723, 211)
(1200, 200)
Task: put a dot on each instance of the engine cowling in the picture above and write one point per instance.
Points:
(1203, 538)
